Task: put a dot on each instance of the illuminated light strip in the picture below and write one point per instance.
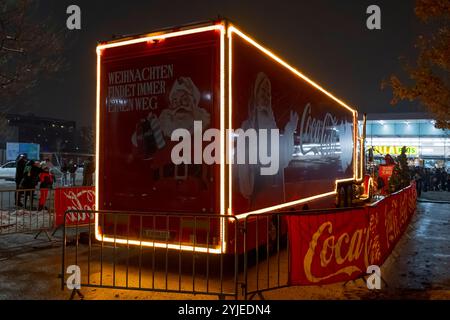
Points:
(355, 148)
(369, 184)
(160, 37)
(171, 246)
(284, 205)
(361, 167)
(223, 210)
(97, 132)
(342, 180)
(100, 48)
(286, 65)
(230, 122)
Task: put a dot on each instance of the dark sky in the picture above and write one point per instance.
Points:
(325, 39)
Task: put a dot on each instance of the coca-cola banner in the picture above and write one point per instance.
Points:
(335, 247)
(74, 198)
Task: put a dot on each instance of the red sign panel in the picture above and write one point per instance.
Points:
(385, 173)
(338, 247)
(386, 170)
(77, 198)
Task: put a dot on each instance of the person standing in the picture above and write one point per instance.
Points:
(448, 182)
(46, 183)
(72, 172)
(88, 171)
(418, 179)
(21, 161)
(64, 169)
(30, 180)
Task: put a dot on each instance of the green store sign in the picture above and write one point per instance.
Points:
(395, 150)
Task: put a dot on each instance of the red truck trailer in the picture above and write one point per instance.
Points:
(215, 82)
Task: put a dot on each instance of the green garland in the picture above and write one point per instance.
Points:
(401, 177)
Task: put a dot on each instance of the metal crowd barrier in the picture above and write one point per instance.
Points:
(150, 252)
(266, 266)
(27, 217)
(257, 259)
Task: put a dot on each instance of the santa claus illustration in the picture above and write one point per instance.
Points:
(188, 181)
(184, 98)
(153, 133)
(264, 189)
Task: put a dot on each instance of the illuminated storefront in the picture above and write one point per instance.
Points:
(426, 145)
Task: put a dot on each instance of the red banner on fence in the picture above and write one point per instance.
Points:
(74, 198)
(328, 248)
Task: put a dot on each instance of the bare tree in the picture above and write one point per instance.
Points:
(429, 81)
(30, 49)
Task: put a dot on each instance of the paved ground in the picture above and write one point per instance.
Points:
(419, 268)
(435, 196)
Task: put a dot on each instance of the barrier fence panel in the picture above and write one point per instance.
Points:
(266, 254)
(26, 210)
(173, 253)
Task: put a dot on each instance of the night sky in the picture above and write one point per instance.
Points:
(325, 39)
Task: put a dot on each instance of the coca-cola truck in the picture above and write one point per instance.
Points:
(179, 113)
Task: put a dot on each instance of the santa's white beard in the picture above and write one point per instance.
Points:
(171, 120)
(265, 120)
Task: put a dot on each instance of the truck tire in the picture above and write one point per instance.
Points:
(349, 195)
(341, 197)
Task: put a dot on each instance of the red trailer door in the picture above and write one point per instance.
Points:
(147, 88)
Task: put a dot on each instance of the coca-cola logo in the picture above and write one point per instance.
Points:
(318, 136)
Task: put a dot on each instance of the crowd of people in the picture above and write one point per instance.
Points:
(31, 174)
(431, 179)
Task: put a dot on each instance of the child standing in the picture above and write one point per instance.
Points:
(46, 180)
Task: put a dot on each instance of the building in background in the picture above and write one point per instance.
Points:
(427, 145)
(53, 135)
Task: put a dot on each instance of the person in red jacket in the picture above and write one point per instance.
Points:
(46, 183)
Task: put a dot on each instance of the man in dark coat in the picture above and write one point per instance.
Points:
(88, 171)
(30, 180)
(72, 171)
(21, 161)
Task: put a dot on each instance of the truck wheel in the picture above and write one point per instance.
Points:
(349, 196)
(341, 197)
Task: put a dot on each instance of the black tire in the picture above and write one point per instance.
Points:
(341, 197)
(349, 196)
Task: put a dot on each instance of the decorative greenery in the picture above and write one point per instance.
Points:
(401, 177)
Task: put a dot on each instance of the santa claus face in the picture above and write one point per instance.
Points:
(183, 109)
(182, 102)
(264, 98)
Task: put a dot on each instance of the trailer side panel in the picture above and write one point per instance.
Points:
(316, 143)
